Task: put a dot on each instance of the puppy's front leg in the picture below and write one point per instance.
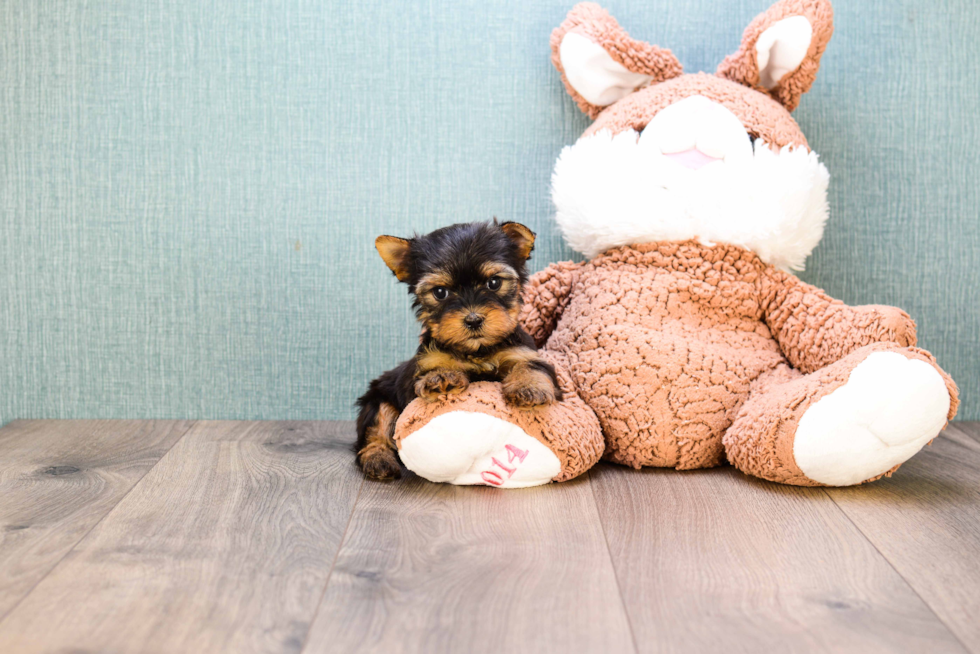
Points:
(528, 380)
(439, 373)
(441, 381)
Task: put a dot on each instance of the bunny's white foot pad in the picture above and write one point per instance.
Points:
(467, 448)
(889, 408)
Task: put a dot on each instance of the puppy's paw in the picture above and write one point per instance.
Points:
(440, 382)
(530, 393)
(380, 464)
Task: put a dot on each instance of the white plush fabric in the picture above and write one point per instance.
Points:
(467, 448)
(698, 123)
(781, 49)
(597, 77)
(614, 191)
(889, 408)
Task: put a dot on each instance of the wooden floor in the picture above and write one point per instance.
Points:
(262, 537)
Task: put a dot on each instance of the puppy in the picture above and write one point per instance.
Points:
(467, 281)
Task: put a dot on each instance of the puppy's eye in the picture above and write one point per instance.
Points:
(494, 283)
(440, 293)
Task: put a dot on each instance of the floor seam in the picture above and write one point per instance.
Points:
(333, 564)
(92, 528)
(908, 583)
(605, 538)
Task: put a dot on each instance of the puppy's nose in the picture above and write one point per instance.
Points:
(473, 320)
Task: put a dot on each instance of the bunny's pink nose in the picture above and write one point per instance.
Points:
(693, 158)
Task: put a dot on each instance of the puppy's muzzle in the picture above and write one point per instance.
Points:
(473, 320)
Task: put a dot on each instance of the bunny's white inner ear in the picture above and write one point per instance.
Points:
(591, 71)
(781, 49)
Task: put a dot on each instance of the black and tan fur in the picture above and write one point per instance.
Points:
(467, 281)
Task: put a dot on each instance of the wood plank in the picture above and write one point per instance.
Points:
(969, 428)
(438, 568)
(58, 478)
(966, 434)
(712, 560)
(926, 521)
(225, 546)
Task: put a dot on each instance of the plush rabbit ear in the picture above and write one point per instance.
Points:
(781, 50)
(600, 64)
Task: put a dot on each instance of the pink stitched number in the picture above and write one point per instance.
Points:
(515, 453)
(486, 477)
(510, 471)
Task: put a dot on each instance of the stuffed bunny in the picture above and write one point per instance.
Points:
(684, 342)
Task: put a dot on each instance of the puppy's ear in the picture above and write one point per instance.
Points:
(395, 252)
(522, 237)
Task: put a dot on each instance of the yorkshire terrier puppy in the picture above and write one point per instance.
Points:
(467, 281)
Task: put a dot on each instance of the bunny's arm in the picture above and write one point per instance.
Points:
(814, 330)
(546, 295)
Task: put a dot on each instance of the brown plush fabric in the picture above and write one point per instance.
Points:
(569, 428)
(742, 67)
(545, 298)
(595, 23)
(666, 341)
(814, 330)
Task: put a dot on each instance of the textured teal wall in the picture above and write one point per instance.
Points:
(190, 189)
